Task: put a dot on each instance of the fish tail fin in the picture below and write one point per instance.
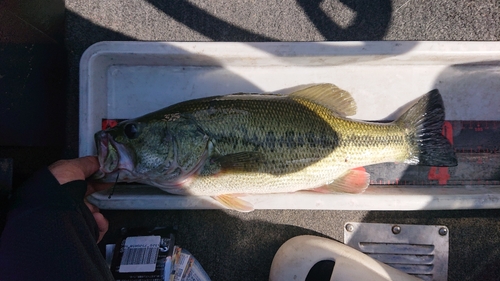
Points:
(423, 123)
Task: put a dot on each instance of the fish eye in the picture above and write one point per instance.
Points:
(131, 131)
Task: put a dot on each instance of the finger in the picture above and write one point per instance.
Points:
(102, 225)
(101, 221)
(88, 165)
(92, 208)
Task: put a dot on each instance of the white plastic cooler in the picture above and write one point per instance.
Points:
(121, 80)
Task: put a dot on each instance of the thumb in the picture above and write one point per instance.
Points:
(75, 169)
(88, 165)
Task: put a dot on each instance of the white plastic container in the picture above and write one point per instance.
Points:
(121, 80)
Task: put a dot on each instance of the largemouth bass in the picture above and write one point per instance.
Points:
(225, 146)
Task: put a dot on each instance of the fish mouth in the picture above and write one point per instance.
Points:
(113, 157)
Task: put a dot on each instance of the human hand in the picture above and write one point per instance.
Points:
(79, 169)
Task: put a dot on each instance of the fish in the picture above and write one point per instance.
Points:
(246, 143)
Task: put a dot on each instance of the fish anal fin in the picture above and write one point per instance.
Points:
(231, 201)
(241, 161)
(329, 96)
(353, 181)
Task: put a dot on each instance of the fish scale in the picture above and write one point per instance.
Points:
(271, 137)
(315, 137)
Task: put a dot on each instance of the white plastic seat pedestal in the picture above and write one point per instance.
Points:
(297, 256)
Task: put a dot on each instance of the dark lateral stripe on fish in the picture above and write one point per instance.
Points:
(292, 139)
(271, 140)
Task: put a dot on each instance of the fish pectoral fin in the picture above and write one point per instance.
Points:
(232, 202)
(241, 161)
(353, 181)
(329, 96)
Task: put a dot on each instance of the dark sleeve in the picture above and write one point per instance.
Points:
(51, 234)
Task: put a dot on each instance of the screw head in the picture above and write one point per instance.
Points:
(443, 231)
(349, 227)
(396, 229)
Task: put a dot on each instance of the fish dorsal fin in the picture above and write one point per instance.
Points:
(329, 96)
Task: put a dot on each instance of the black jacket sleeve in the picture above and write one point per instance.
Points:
(51, 234)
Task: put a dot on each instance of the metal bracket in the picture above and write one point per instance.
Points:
(419, 250)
